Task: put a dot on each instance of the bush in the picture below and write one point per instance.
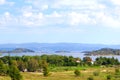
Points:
(96, 73)
(109, 77)
(45, 69)
(90, 78)
(117, 71)
(77, 72)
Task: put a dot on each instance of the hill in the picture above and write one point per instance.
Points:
(17, 50)
(103, 51)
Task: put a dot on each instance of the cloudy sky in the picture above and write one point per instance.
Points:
(51, 21)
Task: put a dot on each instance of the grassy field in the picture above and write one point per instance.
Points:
(69, 75)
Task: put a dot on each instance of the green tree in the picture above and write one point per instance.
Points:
(3, 68)
(21, 65)
(32, 65)
(87, 60)
(45, 68)
(14, 73)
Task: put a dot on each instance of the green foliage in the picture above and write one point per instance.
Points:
(117, 71)
(77, 72)
(14, 73)
(87, 61)
(106, 61)
(90, 78)
(3, 68)
(21, 65)
(45, 69)
(32, 65)
(109, 77)
(96, 73)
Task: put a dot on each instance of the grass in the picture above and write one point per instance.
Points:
(69, 75)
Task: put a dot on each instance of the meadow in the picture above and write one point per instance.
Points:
(67, 73)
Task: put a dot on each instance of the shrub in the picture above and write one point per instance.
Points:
(117, 71)
(45, 69)
(109, 77)
(90, 78)
(77, 72)
(96, 73)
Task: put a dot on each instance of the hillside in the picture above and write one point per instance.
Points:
(103, 51)
(16, 50)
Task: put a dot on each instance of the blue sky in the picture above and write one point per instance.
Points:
(51, 21)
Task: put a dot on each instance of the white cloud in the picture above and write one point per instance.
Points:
(63, 12)
(27, 14)
(7, 14)
(107, 20)
(54, 14)
(2, 2)
(116, 2)
(55, 18)
(74, 3)
(75, 18)
(78, 4)
(7, 20)
(31, 19)
(44, 7)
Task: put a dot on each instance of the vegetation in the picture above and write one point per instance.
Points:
(62, 67)
(14, 73)
(109, 77)
(17, 50)
(96, 73)
(77, 72)
(45, 68)
(90, 78)
(104, 51)
(106, 61)
(69, 75)
(3, 68)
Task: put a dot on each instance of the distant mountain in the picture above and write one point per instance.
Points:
(17, 50)
(103, 51)
(53, 47)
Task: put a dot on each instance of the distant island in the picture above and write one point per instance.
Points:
(62, 51)
(103, 51)
(17, 50)
(57, 47)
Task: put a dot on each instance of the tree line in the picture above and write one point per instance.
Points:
(12, 65)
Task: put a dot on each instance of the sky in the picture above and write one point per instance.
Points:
(53, 21)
